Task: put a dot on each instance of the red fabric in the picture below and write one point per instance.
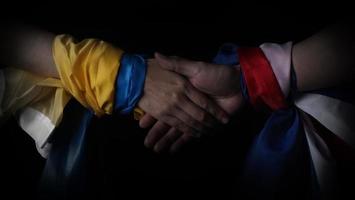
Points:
(262, 85)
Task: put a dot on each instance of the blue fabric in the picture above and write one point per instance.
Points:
(227, 55)
(129, 83)
(64, 173)
(279, 162)
(279, 159)
(243, 87)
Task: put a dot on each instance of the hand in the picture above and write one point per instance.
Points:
(221, 82)
(170, 98)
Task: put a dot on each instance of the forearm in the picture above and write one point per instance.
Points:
(28, 48)
(325, 59)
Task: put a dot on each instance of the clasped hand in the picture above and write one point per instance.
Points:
(184, 99)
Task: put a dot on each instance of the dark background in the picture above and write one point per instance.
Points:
(120, 164)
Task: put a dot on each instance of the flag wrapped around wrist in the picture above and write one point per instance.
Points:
(297, 151)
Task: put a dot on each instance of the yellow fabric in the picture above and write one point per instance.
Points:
(24, 89)
(88, 71)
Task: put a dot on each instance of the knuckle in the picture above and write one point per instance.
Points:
(176, 98)
(200, 63)
(169, 106)
(182, 83)
(175, 123)
(200, 116)
(203, 103)
(182, 127)
(161, 112)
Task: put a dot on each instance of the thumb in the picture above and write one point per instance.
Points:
(181, 66)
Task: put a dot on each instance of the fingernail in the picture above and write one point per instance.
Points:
(147, 143)
(157, 148)
(225, 120)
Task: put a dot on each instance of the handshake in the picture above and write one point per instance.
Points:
(183, 99)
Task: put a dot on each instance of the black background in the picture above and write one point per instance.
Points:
(120, 164)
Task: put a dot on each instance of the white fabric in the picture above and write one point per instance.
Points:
(2, 89)
(37, 102)
(38, 126)
(279, 57)
(335, 115)
(44, 151)
(323, 162)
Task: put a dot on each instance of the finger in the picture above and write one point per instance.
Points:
(206, 104)
(180, 125)
(197, 113)
(180, 142)
(155, 133)
(188, 119)
(181, 66)
(167, 140)
(147, 121)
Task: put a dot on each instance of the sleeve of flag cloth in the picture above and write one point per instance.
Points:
(261, 83)
(279, 57)
(88, 70)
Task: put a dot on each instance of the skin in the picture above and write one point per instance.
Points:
(323, 60)
(29, 49)
(176, 102)
(167, 96)
(204, 77)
